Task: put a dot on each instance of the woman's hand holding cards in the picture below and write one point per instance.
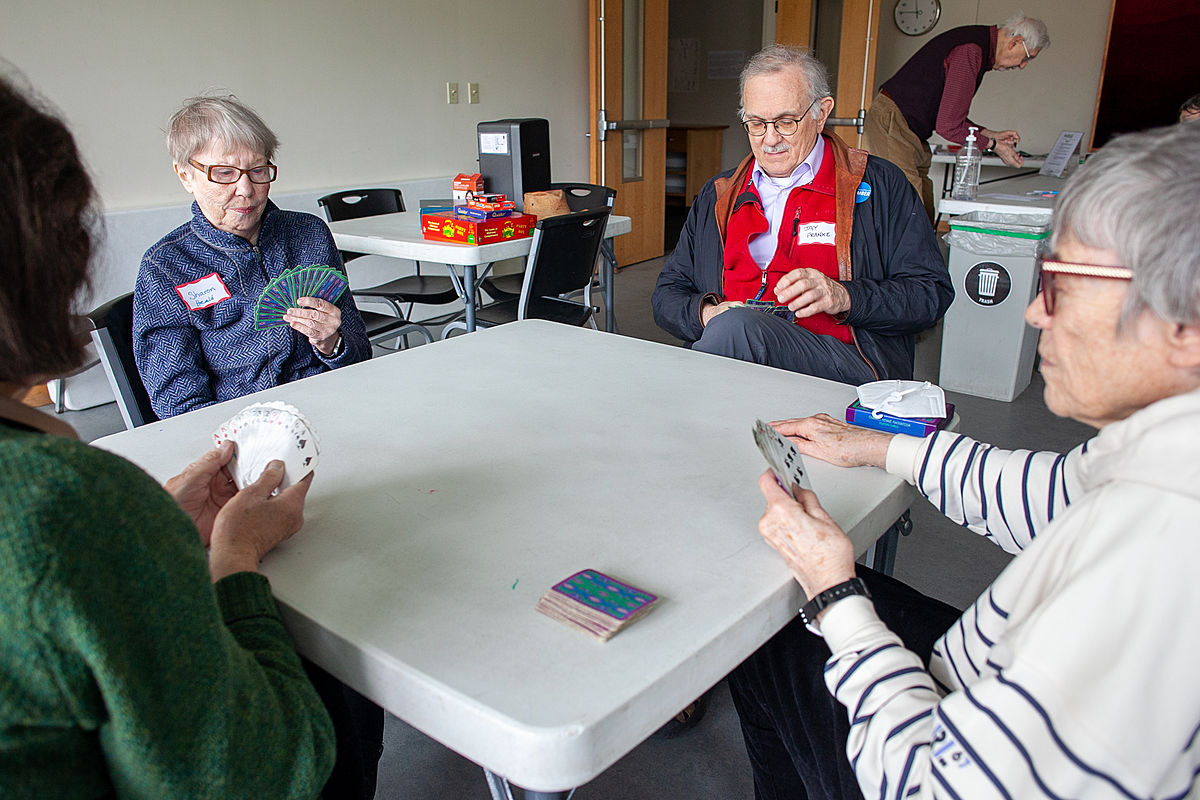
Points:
(816, 551)
(836, 442)
(254, 521)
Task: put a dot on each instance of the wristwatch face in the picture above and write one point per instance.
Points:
(916, 17)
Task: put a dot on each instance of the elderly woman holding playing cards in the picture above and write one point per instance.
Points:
(132, 665)
(1074, 674)
(196, 336)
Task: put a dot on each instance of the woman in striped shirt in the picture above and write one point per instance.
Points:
(1073, 675)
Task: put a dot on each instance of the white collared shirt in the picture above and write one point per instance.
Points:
(774, 195)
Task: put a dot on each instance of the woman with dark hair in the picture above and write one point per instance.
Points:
(131, 664)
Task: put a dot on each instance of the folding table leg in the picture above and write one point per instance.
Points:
(610, 270)
(502, 790)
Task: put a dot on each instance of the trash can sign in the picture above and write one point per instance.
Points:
(988, 283)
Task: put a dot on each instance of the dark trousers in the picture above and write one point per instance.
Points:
(762, 338)
(795, 731)
(358, 727)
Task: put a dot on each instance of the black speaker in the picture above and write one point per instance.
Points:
(514, 156)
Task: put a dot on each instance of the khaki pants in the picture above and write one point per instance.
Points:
(887, 135)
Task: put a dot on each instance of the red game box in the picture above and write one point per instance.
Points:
(468, 182)
(449, 228)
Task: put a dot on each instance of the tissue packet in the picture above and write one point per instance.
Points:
(857, 414)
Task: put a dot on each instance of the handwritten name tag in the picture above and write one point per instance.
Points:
(204, 292)
(816, 233)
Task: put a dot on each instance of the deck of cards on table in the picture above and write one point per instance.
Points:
(595, 603)
(264, 432)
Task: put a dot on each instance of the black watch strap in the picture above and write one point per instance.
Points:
(813, 607)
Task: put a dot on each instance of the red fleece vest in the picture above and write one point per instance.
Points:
(804, 241)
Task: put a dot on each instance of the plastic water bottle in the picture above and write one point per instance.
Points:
(966, 170)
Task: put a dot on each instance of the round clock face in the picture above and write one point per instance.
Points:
(916, 17)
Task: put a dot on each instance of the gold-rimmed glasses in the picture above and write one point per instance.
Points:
(784, 126)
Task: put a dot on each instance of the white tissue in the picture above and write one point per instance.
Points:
(908, 399)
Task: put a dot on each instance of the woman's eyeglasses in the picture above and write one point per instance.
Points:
(1048, 269)
(223, 173)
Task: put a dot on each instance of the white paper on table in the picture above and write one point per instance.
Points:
(1061, 153)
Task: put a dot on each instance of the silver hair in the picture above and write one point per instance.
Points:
(779, 57)
(1032, 31)
(1139, 197)
(222, 119)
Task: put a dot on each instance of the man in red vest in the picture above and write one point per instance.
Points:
(810, 256)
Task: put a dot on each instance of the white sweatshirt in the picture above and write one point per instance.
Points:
(1075, 674)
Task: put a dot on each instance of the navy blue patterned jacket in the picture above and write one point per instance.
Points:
(192, 358)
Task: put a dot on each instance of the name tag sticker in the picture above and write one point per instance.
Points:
(816, 233)
(203, 292)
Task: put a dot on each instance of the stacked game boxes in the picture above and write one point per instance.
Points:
(477, 217)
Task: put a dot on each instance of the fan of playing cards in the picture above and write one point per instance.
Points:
(285, 291)
(264, 432)
(784, 458)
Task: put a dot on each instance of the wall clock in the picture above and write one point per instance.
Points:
(916, 17)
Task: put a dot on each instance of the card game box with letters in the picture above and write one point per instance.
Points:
(595, 603)
(450, 228)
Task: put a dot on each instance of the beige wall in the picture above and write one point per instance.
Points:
(1055, 92)
(355, 90)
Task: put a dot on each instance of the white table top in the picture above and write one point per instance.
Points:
(1002, 196)
(460, 480)
(1031, 162)
(399, 236)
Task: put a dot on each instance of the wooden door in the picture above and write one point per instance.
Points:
(844, 35)
(629, 108)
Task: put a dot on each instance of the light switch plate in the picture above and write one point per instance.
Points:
(472, 92)
(451, 93)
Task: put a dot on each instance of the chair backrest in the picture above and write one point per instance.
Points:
(562, 256)
(356, 203)
(585, 196)
(112, 333)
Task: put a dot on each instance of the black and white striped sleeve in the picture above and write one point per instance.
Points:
(1007, 495)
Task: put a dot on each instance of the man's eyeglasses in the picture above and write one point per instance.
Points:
(1028, 57)
(1048, 270)
(223, 173)
(784, 126)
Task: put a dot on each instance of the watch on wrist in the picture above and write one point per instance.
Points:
(816, 605)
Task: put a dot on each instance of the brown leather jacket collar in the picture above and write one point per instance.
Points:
(849, 164)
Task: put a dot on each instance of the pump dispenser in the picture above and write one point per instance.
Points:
(966, 170)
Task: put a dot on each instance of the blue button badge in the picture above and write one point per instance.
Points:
(863, 193)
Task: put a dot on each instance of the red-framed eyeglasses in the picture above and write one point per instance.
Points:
(1049, 268)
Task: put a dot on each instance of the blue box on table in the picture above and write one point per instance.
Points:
(857, 414)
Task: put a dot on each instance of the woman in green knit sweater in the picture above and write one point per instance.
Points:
(131, 664)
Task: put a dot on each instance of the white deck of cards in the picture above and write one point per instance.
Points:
(263, 432)
(784, 458)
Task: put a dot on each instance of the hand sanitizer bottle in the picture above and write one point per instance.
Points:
(966, 170)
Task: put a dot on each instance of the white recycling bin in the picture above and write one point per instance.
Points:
(987, 348)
